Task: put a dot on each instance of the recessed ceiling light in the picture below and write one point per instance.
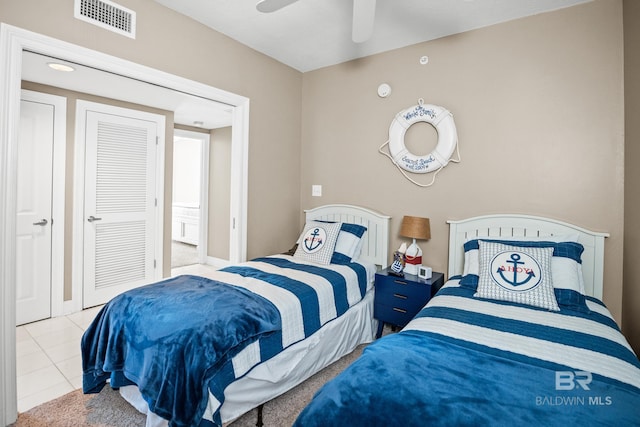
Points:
(198, 123)
(60, 67)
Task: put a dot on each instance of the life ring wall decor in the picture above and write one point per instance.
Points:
(442, 120)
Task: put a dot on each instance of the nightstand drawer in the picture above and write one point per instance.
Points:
(393, 315)
(397, 292)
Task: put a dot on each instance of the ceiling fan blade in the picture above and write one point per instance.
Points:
(267, 6)
(364, 13)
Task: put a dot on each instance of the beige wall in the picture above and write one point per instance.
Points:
(538, 105)
(176, 44)
(631, 289)
(219, 194)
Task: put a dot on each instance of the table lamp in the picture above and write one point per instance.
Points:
(415, 228)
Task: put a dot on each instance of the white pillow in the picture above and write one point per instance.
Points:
(516, 274)
(317, 242)
(358, 251)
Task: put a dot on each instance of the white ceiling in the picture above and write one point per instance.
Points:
(311, 34)
(188, 109)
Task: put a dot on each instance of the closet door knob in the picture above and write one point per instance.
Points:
(42, 222)
(93, 218)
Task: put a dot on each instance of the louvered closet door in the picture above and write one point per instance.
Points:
(119, 209)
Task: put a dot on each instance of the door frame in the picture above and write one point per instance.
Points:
(58, 193)
(13, 41)
(203, 233)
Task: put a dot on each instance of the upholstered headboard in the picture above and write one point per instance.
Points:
(513, 225)
(376, 240)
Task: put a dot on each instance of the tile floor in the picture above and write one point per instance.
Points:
(48, 361)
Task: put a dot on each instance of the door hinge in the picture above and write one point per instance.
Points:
(154, 263)
(157, 139)
(156, 202)
(233, 226)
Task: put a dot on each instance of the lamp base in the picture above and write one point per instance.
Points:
(413, 259)
(411, 269)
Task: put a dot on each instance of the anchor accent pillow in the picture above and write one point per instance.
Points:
(516, 274)
(566, 267)
(317, 242)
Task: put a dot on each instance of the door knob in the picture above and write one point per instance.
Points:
(41, 222)
(93, 218)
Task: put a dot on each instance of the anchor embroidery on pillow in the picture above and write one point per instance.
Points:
(314, 240)
(515, 271)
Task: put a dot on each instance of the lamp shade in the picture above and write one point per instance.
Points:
(415, 228)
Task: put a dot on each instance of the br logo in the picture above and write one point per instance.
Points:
(515, 271)
(314, 239)
(568, 380)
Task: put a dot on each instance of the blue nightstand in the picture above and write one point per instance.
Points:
(399, 299)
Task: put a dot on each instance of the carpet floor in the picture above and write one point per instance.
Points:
(109, 409)
(183, 254)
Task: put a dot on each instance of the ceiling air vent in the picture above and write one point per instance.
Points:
(107, 14)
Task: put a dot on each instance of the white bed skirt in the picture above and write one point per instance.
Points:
(287, 369)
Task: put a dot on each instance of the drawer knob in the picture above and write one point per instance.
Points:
(400, 296)
(399, 310)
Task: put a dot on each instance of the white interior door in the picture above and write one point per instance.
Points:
(121, 213)
(35, 265)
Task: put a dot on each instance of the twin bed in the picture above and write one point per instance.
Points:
(175, 355)
(464, 359)
(477, 355)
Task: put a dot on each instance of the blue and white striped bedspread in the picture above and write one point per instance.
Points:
(306, 295)
(468, 361)
(183, 340)
(590, 342)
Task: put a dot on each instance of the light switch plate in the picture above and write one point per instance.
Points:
(316, 190)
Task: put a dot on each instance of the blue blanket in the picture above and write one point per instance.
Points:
(468, 362)
(169, 338)
(184, 340)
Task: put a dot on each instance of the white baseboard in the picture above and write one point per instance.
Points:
(217, 262)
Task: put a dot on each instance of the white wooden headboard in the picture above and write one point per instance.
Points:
(506, 225)
(375, 246)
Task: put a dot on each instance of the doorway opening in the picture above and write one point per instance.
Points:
(189, 198)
